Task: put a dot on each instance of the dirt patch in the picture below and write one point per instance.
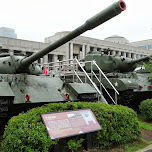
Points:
(146, 135)
(114, 149)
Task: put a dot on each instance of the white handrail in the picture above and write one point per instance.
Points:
(104, 88)
(73, 66)
(105, 77)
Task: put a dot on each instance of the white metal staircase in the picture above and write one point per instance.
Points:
(74, 69)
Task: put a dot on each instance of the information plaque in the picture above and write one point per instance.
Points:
(70, 123)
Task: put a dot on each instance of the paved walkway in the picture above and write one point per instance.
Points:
(147, 136)
(146, 149)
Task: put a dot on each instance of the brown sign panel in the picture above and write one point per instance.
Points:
(69, 123)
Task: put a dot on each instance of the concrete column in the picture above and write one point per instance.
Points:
(41, 61)
(133, 55)
(124, 54)
(88, 48)
(67, 51)
(71, 50)
(80, 55)
(83, 51)
(45, 59)
(129, 55)
(119, 53)
(113, 53)
(55, 58)
(11, 52)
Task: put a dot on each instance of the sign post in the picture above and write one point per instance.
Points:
(71, 123)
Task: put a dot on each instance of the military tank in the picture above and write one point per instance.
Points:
(22, 84)
(133, 86)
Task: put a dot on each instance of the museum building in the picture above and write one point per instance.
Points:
(78, 47)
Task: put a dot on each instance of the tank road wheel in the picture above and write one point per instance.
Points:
(3, 108)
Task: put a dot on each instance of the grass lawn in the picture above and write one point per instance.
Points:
(144, 124)
(129, 147)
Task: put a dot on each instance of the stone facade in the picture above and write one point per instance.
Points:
(81, 45)
(147, 44)
(78, 47)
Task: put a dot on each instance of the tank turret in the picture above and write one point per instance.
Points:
(19, 64)
(111, 63)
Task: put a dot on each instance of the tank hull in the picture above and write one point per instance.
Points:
(133, 87)
(20, 92)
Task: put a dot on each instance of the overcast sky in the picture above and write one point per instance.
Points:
(37, 19)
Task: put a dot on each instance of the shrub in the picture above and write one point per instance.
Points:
(146, 109)
(74, 145)
(26, 132)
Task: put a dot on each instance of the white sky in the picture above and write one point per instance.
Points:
(37, 19)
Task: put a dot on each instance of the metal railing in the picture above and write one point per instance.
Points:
(101, 84)
(75, 70)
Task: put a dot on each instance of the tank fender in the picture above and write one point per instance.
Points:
(82, 91)
(5, 90)
(124, 84)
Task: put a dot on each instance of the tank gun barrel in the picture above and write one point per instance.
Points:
(139, 60)
(101, 17)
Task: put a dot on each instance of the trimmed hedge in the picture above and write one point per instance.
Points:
(27, 133)
(145, 108)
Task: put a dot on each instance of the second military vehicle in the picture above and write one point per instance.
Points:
(133, 86)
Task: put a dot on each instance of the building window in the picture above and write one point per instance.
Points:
(91, 49)
(142, 46)
(3, 51)
(117, 53)
(132, 55)
(149, 46)
(80, 48)
(60, 57)
(75, 55)
(98, 49)
(16, 52)
(29, 53)
(50, 57)
(138, 55)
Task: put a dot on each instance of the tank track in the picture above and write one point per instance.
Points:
(3, 108)
(124, 98)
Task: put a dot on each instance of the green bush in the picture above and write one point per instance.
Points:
(146, 109)
(26, 132)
